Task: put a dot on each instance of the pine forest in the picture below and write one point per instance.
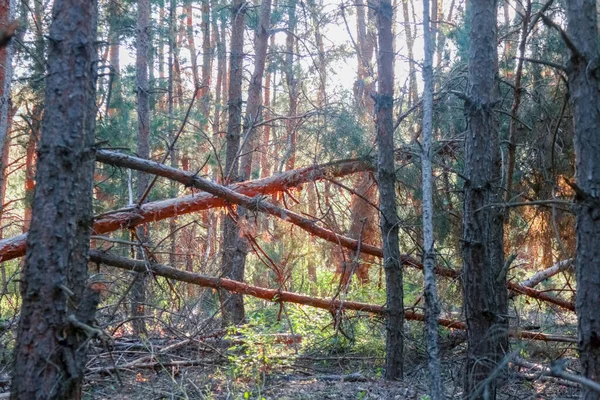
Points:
(299, 199)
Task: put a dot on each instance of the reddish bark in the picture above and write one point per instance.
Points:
(276, 295)
(265, 169)
(159, 210)
(30, 164)
(206, 58)
(189, 33)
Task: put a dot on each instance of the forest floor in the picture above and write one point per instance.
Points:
(214, 373)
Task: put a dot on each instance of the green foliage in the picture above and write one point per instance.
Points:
(346, 138)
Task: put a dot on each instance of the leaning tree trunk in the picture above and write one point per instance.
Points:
(233, 260)
(585, 100)
(386, 175)
(484, 276)
(51, 345)
(138, 287)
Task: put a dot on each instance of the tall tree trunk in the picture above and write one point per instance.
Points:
(386, 174)
(189, 33)
(36, 113)
(3, 184)
(138, 289)
(413, 95)
(254, 101)
(219, 45)
(440, 39)
(206, 59)
(7, 12)
(253, 115)
(51, 347)
(584, 94)
(115, 97)
(265, 164)
(322, 64)
(363, 215)
(432, 306)
(233, 260)
(514, 110)
(32, 140)
(205, 97)
(175, 45)
(173, 51)
(484, 276)
(292, 85)
(161, 45)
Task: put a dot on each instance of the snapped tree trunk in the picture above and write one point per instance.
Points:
(386, 176)
(51, 348)
(584, 94)
(484, 276)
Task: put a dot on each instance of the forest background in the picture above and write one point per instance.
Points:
(273, 126)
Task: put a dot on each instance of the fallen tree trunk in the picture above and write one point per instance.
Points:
(159, 210)
(218, 196)
(261, 205)
(283, 296)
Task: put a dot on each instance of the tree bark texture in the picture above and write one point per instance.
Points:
(233, 261)
(484, 276)
(432, 306)
(386, 176)
(51, 349)
(584, 93)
